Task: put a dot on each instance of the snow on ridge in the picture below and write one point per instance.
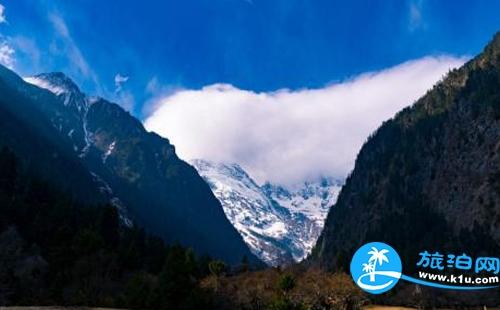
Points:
(108, 152)
(313, 199)
(90, 100)
(42, 83)
(114, 201)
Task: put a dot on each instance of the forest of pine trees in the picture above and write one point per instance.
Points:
(54, 251)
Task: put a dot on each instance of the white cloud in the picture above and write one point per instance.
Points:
(119, 81)
(59, 25)
(68, 47)
(6, 50)
(7, 55)
(124, 98)
(290, 136)
(2, 14)
(153, 85)
(156, 90)
(415, 15)
(28, 54)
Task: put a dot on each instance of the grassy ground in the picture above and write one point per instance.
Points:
(84, 308)
(386, 308)
(372, 307)
(54, 308)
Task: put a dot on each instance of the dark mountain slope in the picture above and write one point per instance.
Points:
(25, 128)
(97, 152)
(56, 251)
(428, 179)
(164, 193)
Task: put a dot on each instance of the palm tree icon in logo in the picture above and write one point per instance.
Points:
(376, 267)
(376, 257)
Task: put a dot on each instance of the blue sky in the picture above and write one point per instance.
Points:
(288, 89)
(258, 45)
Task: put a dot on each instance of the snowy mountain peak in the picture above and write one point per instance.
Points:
(56, 82)
(61, 85)
(279, 225)
(234, 171)
(312, 199)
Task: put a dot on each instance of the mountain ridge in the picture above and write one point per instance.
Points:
(84, 128)
(427, 179)
(279, 225)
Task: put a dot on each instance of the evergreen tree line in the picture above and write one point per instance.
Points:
(55, 251)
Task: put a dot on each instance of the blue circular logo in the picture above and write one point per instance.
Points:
(376, 267)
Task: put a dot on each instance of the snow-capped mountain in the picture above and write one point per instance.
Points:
(279, 225)
(313, 199)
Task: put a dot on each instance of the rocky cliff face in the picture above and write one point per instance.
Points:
(430, 177)
(98, 152)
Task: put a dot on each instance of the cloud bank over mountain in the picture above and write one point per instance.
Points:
(289, 136)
